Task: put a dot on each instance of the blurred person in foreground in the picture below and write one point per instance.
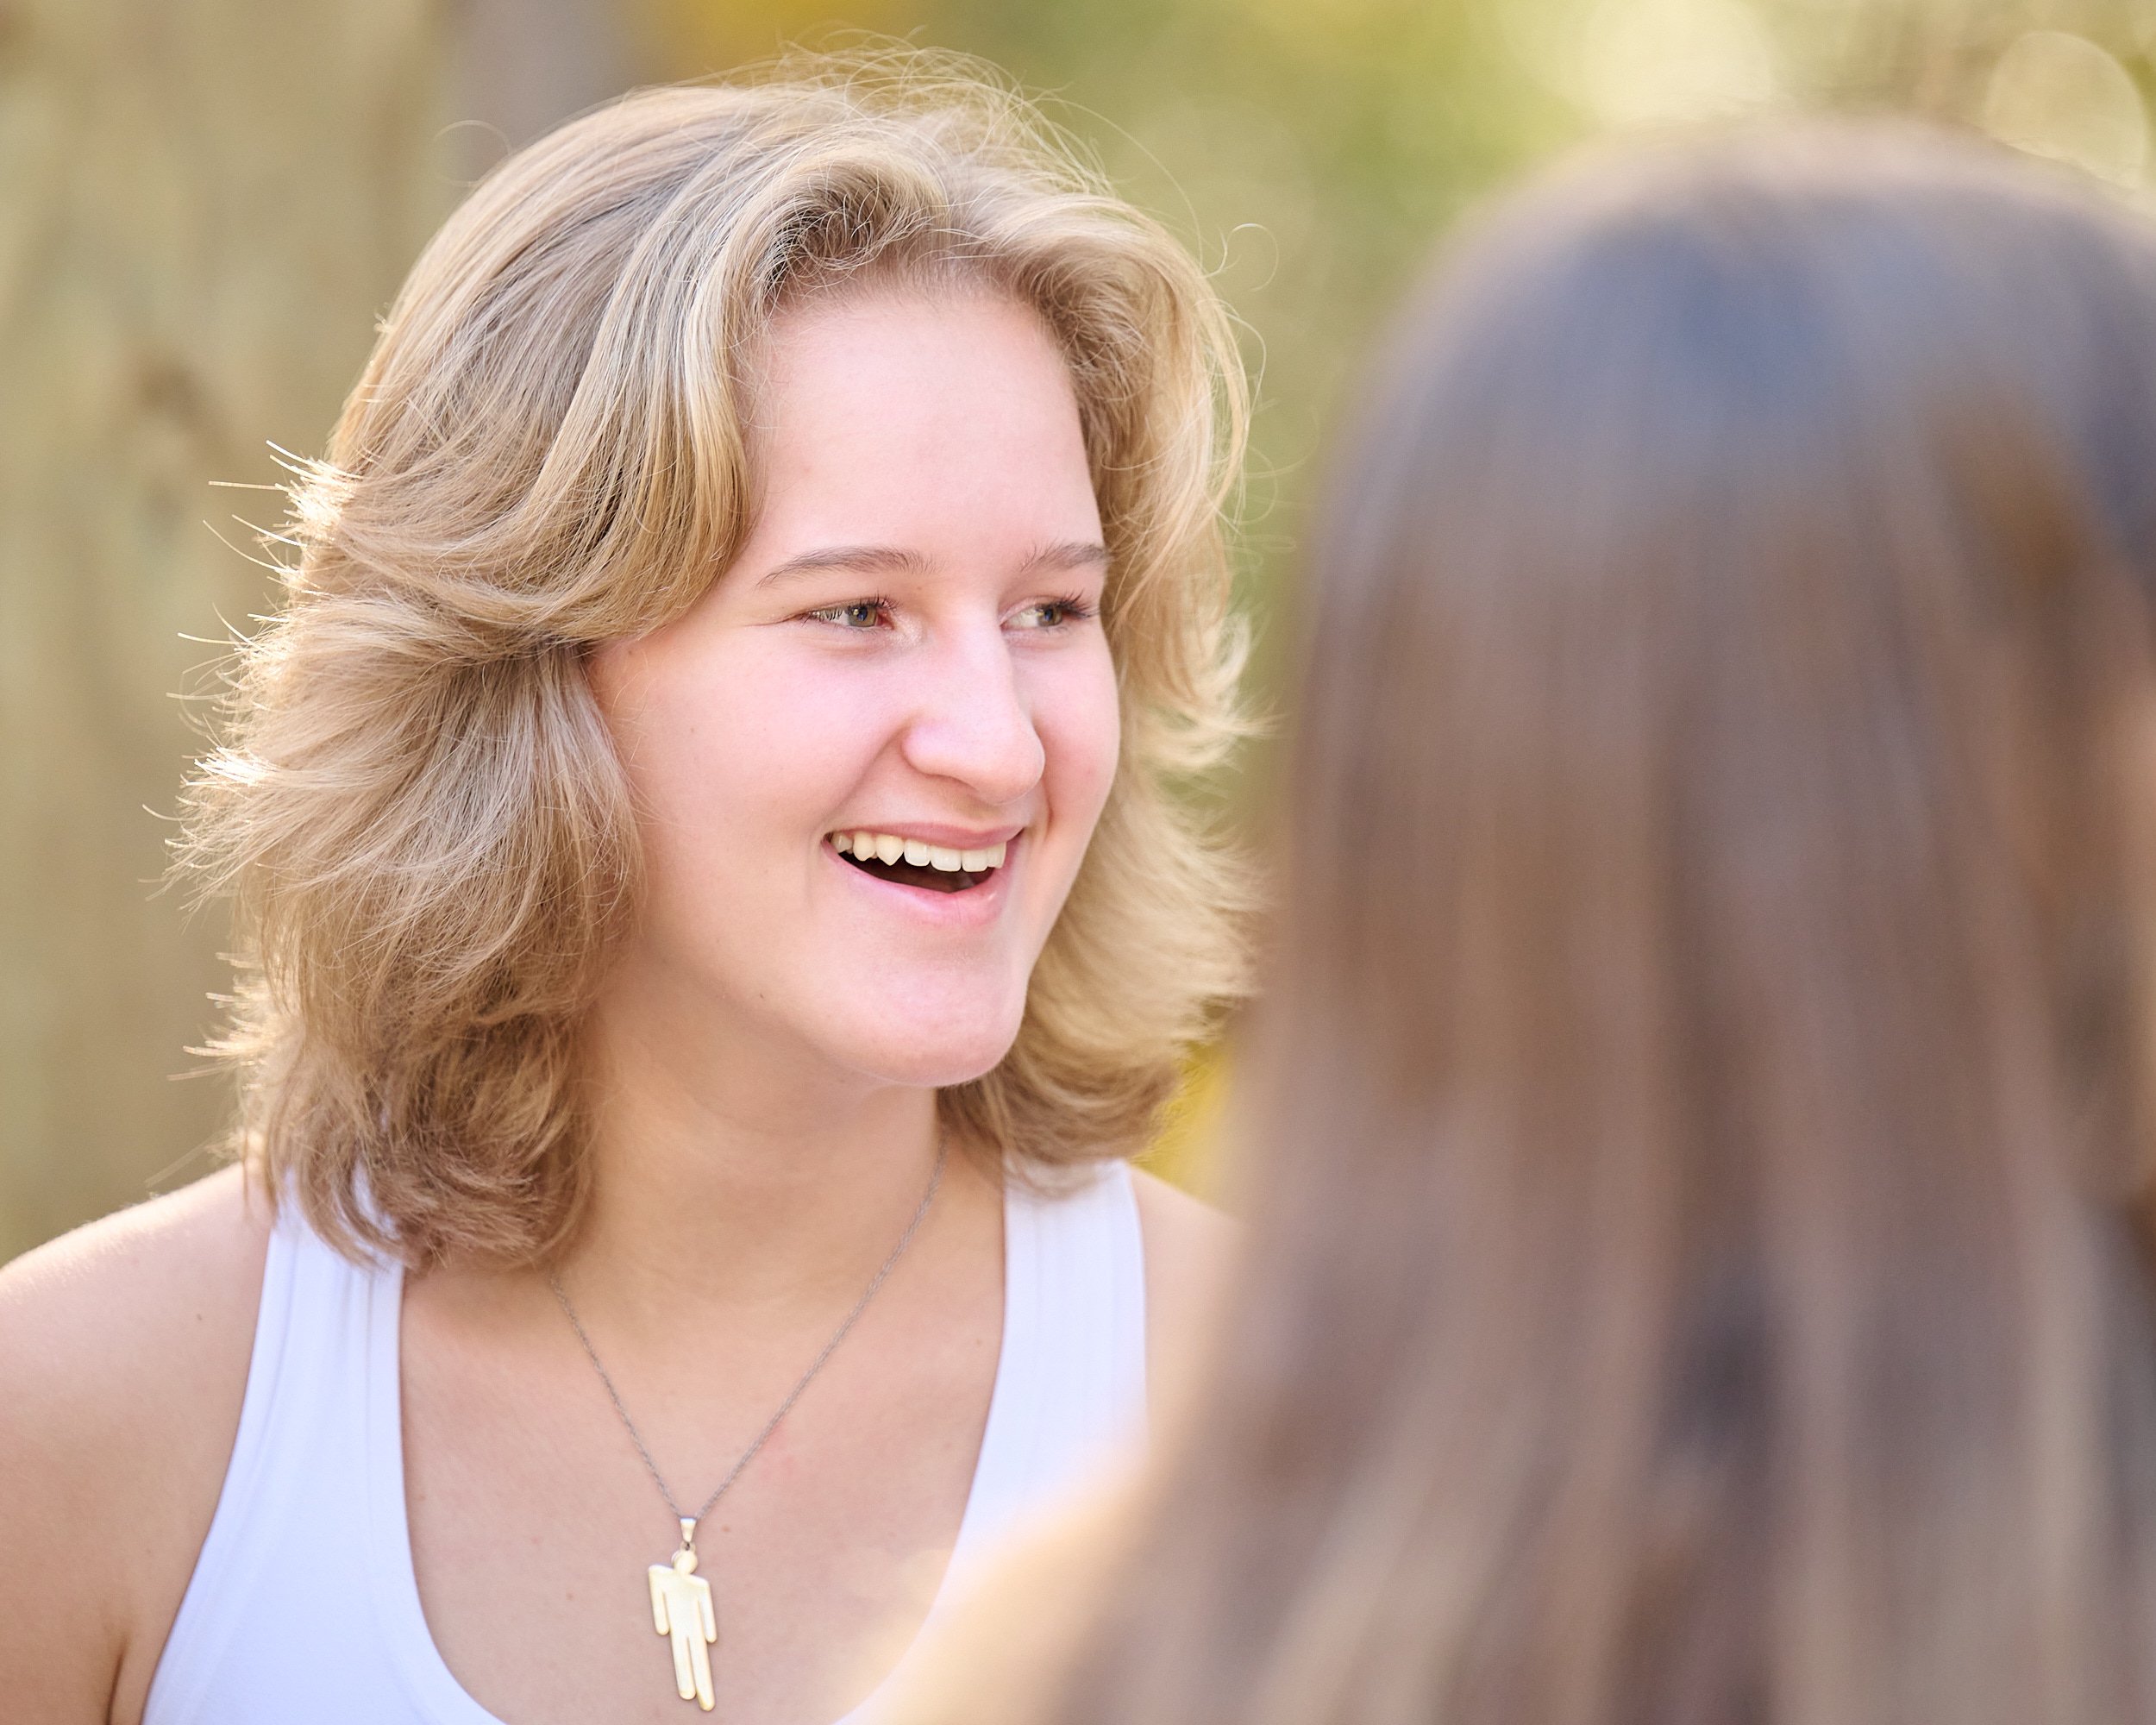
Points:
(1698, 1267)
(715, 924)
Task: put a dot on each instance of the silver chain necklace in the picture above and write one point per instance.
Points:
(681, 1599)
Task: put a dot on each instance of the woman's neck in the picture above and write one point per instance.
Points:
(732, 1176)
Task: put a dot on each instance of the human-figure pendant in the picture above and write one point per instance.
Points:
(682, 1610)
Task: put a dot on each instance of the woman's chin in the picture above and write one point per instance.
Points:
(936, 1061)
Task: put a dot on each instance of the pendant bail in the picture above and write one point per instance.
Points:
(688, 1533)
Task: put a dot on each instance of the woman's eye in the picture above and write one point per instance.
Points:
(1050, 613)
(860, 613)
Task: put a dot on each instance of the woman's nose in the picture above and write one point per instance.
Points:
(972, 723)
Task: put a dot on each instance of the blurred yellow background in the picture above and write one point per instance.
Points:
(204, 203)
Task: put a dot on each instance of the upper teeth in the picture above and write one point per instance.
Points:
(888, 847)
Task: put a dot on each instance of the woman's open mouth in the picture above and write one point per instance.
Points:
(910, 863)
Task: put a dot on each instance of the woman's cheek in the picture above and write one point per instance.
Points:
(1083, 735)
(797, 729)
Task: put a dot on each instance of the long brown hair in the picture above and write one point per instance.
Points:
(1696, 1267)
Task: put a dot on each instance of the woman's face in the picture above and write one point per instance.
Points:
(905, 662)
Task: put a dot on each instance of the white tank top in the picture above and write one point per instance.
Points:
(316, 1486)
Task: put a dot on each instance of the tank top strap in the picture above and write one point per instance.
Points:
(1070, 1386)
(1071, 1378)
(297, 1481)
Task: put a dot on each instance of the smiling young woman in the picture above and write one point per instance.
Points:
(716, 916)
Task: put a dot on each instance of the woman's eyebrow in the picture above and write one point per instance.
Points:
(891, 560)
(867, 560)
(1072, 554)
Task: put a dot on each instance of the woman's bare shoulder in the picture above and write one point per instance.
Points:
(159, 1293)
(1189, 1247)
(123, 1360)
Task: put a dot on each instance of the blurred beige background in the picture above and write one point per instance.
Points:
(204, 203)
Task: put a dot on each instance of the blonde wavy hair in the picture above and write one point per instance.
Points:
(416, 807)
